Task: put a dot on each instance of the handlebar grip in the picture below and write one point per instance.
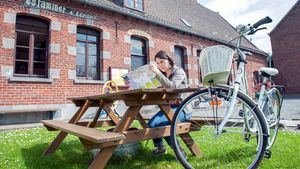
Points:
(262, 21)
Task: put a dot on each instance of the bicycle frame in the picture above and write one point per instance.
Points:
(266, 94)
(236, 87)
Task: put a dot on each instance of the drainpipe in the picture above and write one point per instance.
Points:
(269, 60)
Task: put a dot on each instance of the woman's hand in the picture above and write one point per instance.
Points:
(154, 68)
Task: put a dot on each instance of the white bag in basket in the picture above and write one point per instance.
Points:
(215, 64)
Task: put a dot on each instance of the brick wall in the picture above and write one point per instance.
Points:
(114, 28)
(286, 51)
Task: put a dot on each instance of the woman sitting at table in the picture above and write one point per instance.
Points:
(170, 76)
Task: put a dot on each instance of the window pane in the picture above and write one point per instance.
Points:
(139, 4)
(137, 50)
(92, 60)
(81, 48)
(23, 27)
(80, 70)
(39, 68)
(179, 57)
(137, 61)
(40, 41)
(40, 30)
(80, 65)
(92, 38)
(92, 48)
(21, 67)
(22, 53)
(92, 72)
(23, 39)
(80, 59)
(81, 36)
(130, 3)
(32, 23)
(137, 47)
(39, 55)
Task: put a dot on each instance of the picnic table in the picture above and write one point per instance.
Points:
(108, 141)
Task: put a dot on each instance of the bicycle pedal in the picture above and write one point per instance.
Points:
(268, 154)
(224, 131)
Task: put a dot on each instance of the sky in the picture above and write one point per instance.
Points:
(249, 11)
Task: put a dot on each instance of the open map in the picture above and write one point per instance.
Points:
(141, 77)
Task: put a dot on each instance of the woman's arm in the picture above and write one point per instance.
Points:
(178, 76)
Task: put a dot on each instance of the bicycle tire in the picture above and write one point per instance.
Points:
(215, 158)
(272, 116)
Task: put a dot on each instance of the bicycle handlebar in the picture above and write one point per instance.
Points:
(262, 21)
(252, 29)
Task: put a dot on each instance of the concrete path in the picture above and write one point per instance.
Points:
(290, 108)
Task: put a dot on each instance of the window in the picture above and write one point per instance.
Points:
(88, 57)
(198, 64)
(135, 4)
(179, 56)
(138, 52)
(31, 54)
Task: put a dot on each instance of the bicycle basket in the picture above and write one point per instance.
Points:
(215, 64)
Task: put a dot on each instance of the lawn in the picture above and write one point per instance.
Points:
(23, 149)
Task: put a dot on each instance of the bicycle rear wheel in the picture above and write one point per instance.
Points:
(227, 149)
(271, 108)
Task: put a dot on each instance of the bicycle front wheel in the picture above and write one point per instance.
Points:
(203, 146)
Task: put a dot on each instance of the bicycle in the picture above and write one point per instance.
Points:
(215, 121)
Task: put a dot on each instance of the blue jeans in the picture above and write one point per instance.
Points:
(159, 119)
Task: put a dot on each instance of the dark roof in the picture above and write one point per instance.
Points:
(292, 8)
(205, 23)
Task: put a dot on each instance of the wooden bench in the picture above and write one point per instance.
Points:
(90, 134)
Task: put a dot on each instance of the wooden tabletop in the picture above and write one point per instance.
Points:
(120, 95)
(131, 97)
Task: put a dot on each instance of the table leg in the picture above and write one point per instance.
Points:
(127, 118)
(110, 112)
(168, 111)
(187, 139)
(93, 123)
(55, 144)
(142, 121)
(190, 143)
(102, 157)
(106, 152)
(62, 135)
(76, 117)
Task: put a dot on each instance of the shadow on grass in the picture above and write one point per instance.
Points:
(71, 154)
(143, 159)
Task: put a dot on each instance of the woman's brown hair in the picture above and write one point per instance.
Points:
(163, 55)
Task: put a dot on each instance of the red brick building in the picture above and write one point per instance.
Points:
(52, 50)
(286, 50)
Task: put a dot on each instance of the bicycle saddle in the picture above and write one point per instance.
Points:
(268, 71)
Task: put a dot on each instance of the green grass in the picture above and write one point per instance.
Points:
(23, 149)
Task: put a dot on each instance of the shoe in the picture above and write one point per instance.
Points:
(159, 150)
